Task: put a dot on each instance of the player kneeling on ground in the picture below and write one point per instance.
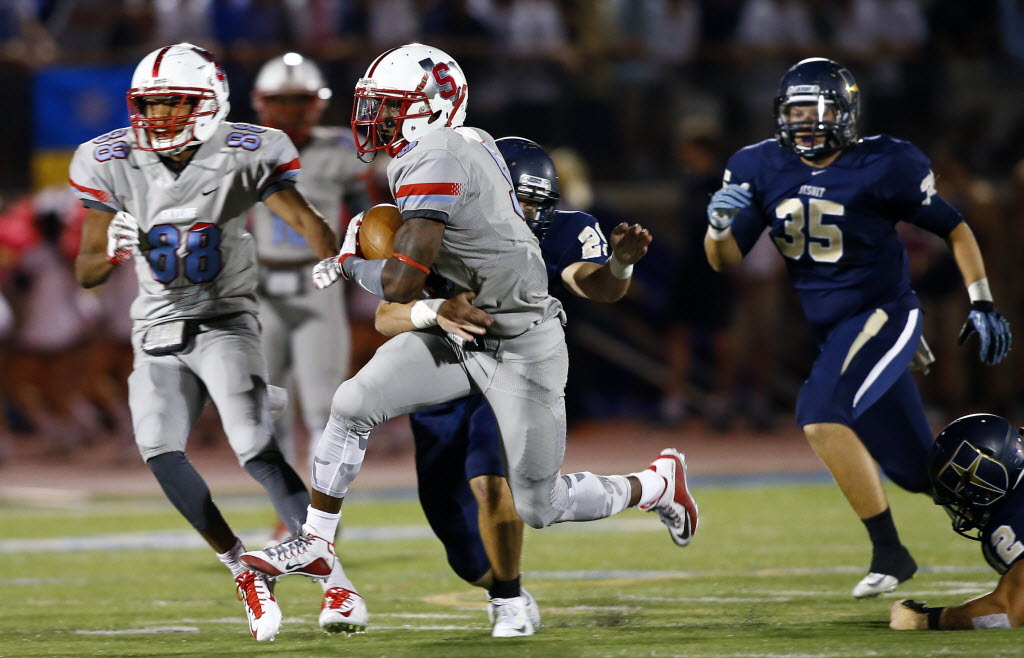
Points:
(976, 466)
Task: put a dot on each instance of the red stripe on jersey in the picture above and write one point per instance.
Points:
(288, 166)
(422, 189)
(158, 60)
(99, 194)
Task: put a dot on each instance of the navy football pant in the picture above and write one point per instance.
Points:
(861, 380)
(456, 442)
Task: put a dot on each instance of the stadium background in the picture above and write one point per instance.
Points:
(640, 101)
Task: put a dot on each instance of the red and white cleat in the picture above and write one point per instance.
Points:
(676, 507)
(343, 611)
(303, 554)
(261, 607)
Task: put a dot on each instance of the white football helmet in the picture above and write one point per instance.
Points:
(290, 94)
(192, 76)
(407, 92)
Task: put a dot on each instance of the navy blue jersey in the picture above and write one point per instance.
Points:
(572, 237)
(836, 226)
(1002, 539)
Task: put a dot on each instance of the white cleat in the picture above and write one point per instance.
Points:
(261, 607)
(532, 609)
(343, 611)
(304, 554)
(874, 584)
(511, 618)
(676, 507)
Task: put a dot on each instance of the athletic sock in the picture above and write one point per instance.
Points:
(882, 531)
(888, 555)
(504, 589)
(337, 579)
(320, 523)
(652, 486)
(230, 559)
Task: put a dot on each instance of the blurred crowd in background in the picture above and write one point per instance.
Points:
(639, 101)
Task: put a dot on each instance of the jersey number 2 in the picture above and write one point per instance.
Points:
(1005, 543)
(823, 242)
(202, 252)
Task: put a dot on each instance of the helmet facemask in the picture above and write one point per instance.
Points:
(294, 113)
(825, 124)
(379, 115)
(171, 132)
(537, 191)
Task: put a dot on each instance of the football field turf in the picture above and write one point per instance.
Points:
(768, 574)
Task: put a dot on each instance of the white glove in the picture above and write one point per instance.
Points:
(350, 245)
(122, 238)
(328, 270)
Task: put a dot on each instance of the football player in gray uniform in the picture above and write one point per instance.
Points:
(305, 332)
(171, 194)
(462, 219)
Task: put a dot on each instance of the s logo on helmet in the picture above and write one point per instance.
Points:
(444, 81)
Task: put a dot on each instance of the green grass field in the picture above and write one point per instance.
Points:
(768, 574)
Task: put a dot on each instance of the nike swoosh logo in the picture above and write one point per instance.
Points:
(820, 171)
(292, 565)
(208, 192)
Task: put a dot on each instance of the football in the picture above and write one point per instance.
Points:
(377, 234)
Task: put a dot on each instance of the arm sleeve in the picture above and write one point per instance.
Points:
(749, 223)
(277, 161)
(89, 183)
(430, 185)
(908, 186)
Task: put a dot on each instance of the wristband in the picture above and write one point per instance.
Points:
(617, 269)
(979, 291)
(934, 616)
(424, 313)
(719, 233)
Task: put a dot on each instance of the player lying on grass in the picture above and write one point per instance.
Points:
(975, 468)
(459, 461)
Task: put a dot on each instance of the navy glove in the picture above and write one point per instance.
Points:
(726, 202)
(993, 332)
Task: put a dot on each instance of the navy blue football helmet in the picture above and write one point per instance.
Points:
(533, 178)
(823, 84)
(975, 462)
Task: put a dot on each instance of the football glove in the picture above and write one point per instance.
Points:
(328, 270)
(726, 202)
(122, 238)
(993, 332)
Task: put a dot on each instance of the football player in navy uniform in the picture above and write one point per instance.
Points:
(459, 460)
(830, 201)
(975, 468)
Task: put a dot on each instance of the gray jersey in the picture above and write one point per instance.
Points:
(457, 176)
(197, 259)
(332, 170)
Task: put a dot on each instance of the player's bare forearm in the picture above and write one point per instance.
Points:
(1001, 608)
(392, 319)
(967, 253)
(91, 265)
(722, 254)
(456, 316)
(594, 282)
(292, 207)
(417, 243)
